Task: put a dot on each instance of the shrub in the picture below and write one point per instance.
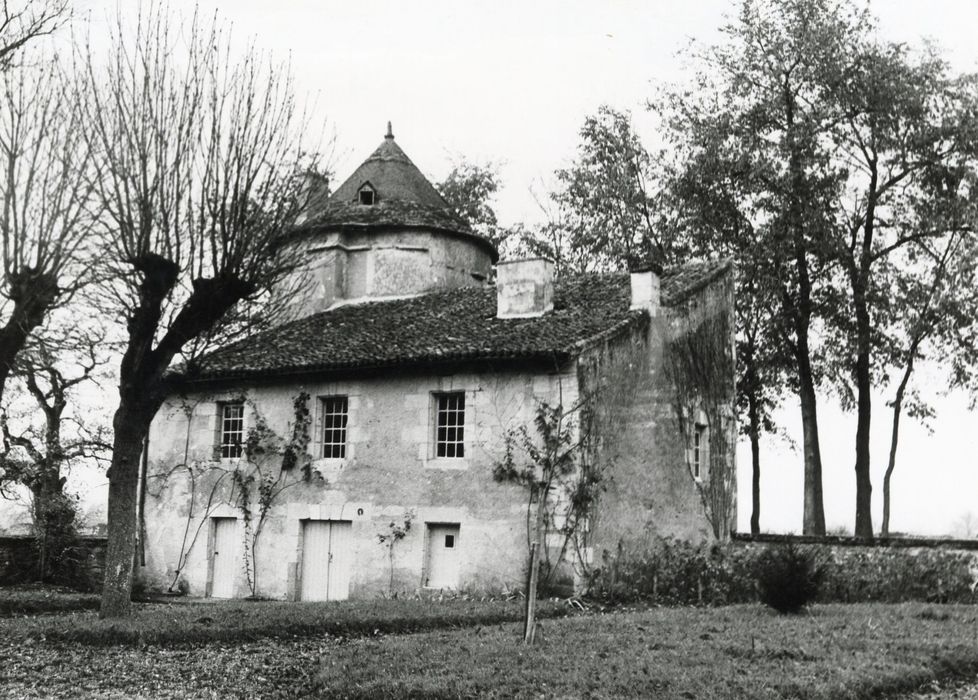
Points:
(788, 578)
(676, 572)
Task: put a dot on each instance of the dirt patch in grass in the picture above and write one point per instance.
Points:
(835, 651)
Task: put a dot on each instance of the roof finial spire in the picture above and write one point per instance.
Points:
(390, 132)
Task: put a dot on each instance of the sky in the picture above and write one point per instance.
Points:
(511, 83)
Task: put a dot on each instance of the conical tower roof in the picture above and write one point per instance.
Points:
(401, 198)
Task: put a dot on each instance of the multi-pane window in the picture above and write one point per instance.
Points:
(699, 450)
(232, 428)
(335, 415)
(449, 424)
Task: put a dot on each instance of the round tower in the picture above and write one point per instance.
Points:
(385, 232)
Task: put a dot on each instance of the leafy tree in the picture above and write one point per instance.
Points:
(470, 189)
(605, 207)
(845, 153)
(711, 204)
(754, 125)
(195, 162)
(934, 306)
(905, 145)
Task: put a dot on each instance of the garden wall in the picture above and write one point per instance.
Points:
(17, 560)
(673, 572)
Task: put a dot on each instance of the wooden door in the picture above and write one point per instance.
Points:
(340, 560)
(443, 561)
(224, 557)
(326, 559)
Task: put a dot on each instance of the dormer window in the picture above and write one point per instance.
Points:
(366, 194)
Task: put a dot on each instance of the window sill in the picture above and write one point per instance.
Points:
(449, 463)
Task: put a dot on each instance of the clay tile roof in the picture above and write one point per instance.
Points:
(403, 198)
(454, 325)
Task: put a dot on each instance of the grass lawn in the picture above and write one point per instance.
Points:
(835, 651)
(197, 622)
(832, 652)
(30, 599)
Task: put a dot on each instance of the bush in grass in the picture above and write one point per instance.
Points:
(788, 578)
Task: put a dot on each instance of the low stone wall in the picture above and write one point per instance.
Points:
(17, 556)
(886, 569)
(845, 541)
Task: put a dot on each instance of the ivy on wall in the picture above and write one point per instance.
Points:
(698, 358)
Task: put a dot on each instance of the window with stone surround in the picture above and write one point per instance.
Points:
(231, 435)
(449, 409)
(335, 415)
(700, 450)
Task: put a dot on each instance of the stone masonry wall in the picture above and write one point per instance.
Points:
(389, 470)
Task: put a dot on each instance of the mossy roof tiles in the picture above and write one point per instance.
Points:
(455, 325)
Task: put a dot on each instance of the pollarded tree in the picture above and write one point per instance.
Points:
(196, 153)
(47, 222)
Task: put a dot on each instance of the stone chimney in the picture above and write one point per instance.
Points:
(645, 289)
(524, 288)
(313, 193)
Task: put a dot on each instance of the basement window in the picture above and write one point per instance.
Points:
(232, 428)
(449, 424)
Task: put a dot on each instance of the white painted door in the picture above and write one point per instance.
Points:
(340, 559)
(443, 560)
(326, 559)
(224, 557)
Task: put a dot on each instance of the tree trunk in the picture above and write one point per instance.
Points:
(813, 519)
(130, 427)
(894, 438)
(755, 455)
(864, 486)
(860, 280)
(530, 626)
(813, 522)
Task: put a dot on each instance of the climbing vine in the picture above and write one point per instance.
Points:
(699, 361)
(266, 471)
(252, 484)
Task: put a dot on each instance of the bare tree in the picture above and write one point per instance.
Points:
(21, 22)
(37, 453)
(46, 220)
(196, 156)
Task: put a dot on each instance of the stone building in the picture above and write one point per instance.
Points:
(355, 450)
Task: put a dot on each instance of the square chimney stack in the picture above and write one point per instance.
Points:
(524, 288)
(645, 288)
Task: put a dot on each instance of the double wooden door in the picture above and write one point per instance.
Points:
(326, 559)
